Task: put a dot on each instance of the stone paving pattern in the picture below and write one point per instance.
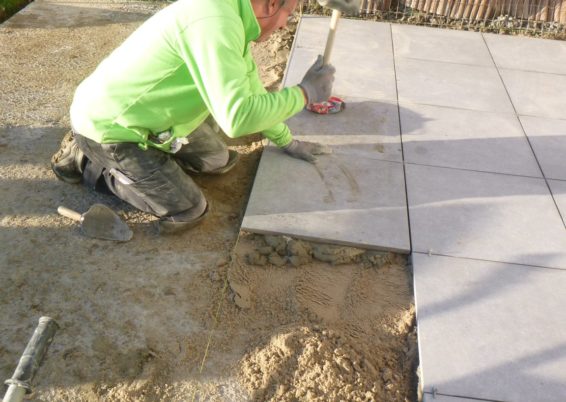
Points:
(477, 123)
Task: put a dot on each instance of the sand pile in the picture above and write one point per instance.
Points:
(324, 331)
(319, 365)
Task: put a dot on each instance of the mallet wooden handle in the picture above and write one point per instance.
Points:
(69, 213)
(330, 40)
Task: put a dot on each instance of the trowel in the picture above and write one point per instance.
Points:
(99, 222)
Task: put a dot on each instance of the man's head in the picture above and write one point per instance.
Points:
(272, 15)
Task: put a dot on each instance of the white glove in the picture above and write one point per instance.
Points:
(306, 150)
(317, 82)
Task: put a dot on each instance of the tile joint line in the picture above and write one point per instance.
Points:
(435, 392)
(525, 133)
(479, 65)
(475, 170)
(401, 139)
(430, 254)
(468, 109)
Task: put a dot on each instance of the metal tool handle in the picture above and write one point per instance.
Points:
(69, 213)
(331, 34)
(20, 383)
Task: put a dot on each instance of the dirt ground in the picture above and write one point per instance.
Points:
(198, 316)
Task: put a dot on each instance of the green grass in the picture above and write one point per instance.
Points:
(10, 7)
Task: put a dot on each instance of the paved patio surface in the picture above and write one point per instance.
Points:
(452, 147)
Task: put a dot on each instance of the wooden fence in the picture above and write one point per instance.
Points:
(474, 10)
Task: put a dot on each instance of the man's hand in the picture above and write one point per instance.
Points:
(317, 82)
(306, 150)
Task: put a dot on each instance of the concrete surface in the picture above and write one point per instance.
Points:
(558, 189)
(491, 330)
(426, 43)
(485, 216)
(366, 127)
(536, 94)
(354, 77)
(453, 85)
(487, 330)
(364, 68)
(354, 34)
(528, 54)
(482, 124)
(344, 199)
(466, 139)
(549, 144)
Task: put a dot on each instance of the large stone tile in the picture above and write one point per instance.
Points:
(466, 139)
(368, 128)
(453, 85)
(343, 199)
(530, 54)
(548, 138)
(558, 189)
(357, 36)
(484, 216)
(426, 43)
(536, 94)
(491, 330)
(358, 75)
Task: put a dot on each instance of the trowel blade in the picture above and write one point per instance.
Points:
(102, 223)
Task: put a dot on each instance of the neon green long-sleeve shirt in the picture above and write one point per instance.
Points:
(189, 60)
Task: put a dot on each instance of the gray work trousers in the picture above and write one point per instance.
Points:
(152, 180)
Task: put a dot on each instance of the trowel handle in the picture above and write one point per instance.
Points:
(69, 213)
(330, 40)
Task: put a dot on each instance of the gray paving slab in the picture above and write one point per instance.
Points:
(445, 45)
(344, 199)
(466, 139)
(452, 85)
(491, 330)
(558, 189)
(530, 54)
(358, 36)
(548, 139)
(362, 54)
(485, 216)
(357, 75)
(369, 128)
(536, 94)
